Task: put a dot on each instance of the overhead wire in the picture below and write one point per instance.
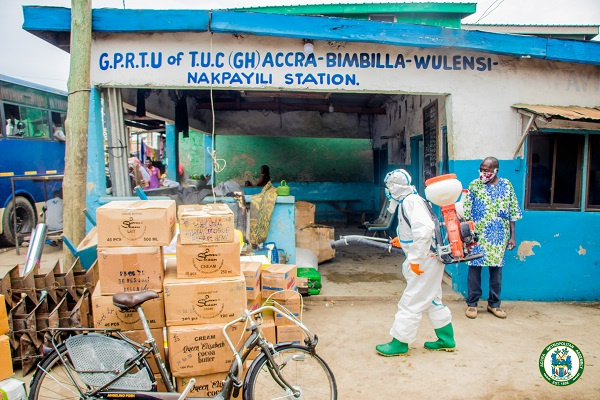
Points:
(485, 14)
(219, 164)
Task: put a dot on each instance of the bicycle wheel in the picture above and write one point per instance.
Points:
(52, 380)
(305, 371)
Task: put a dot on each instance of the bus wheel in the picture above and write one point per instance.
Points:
(26, 220)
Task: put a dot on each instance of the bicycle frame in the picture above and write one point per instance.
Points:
(232, 383)
(148, 347)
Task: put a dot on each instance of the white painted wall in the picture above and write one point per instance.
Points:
(404, 119)
(481, 122)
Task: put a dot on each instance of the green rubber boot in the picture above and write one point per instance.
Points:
(445, 340)
(393, 348)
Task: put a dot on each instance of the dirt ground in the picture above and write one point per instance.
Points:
(495, 359)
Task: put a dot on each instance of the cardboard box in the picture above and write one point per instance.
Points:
(253, 304)
(140, 337)
(305, 213)
(316, 239)
(206, 223)
(203, 301)
(130, 269)
(208, 260)
(252, 271)
(279, 278)
(3, 316)
(107, 315)
(290, 333)
(206, 386)
(292, 304)
(160, 384)
(6, 369)
(136, 223)
(201, 349)
(268, 330)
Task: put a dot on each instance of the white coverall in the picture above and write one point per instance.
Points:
(423, 292)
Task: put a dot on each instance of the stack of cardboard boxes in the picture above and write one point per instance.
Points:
(130, 258)
(279, 282)
(204, 291)
(6, 365)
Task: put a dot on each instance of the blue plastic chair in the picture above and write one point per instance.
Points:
(384, 223)
(87, 256)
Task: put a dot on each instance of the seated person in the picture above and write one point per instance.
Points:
(20, 128)
(58, 133)
(265, 177)
(54, 211)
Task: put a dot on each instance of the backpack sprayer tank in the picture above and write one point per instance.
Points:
(443, 191)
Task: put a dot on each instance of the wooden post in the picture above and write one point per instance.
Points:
(76, 125)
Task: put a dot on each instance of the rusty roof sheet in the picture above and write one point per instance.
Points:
(568, 112)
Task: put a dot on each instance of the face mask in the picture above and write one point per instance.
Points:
(487, 177)
(398, 192)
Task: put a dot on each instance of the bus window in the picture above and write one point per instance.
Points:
(58, 118)
(11, 113)
(36, 122)
(27, 122)
(58, 125)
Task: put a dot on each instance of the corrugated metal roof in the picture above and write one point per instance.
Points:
(32, 85)
(573, 113)
(572, 31)
(356, 2)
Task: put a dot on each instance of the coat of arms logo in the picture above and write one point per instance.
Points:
(561, 363)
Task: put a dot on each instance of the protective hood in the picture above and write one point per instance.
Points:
(398, 186)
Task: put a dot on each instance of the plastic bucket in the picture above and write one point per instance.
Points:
(283, 189)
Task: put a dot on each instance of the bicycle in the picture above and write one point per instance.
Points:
(104, 364)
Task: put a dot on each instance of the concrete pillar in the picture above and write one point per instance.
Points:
(118, 143)
(96, 176)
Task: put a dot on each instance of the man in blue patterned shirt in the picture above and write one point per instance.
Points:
(493, 207)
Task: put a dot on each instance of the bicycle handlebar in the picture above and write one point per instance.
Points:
(248, 315)
(366, 240)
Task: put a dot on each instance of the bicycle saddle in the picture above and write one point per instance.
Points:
(127, 301)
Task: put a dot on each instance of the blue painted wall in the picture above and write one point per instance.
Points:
(96, 176)
(283, 221)
(559, 270)
(57, 19)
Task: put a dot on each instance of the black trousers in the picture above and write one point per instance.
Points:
(474, 285)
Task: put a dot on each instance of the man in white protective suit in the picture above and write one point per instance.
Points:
(422, 270)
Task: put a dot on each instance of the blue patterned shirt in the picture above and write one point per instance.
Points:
(491, 208)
